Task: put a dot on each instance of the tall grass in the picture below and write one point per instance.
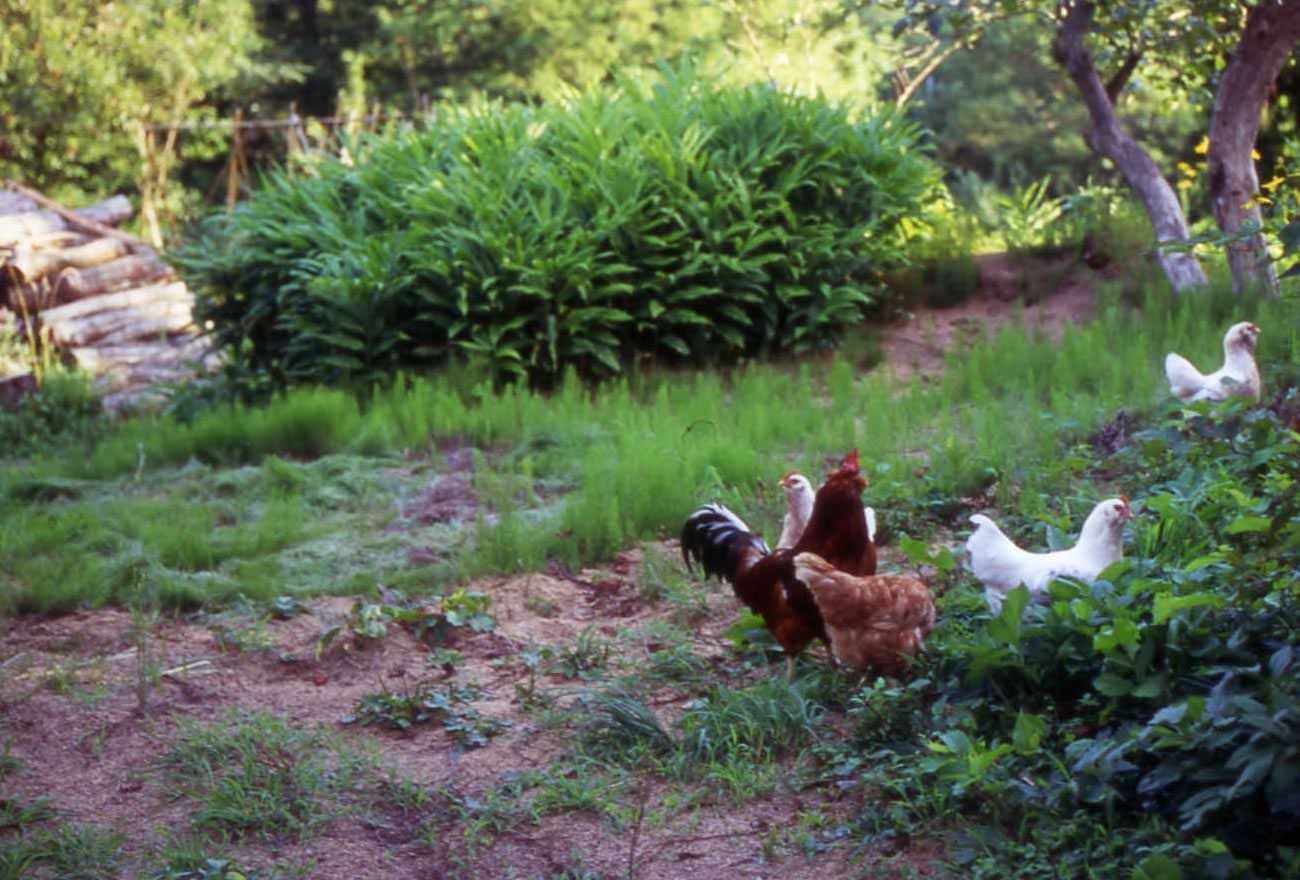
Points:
(636, 455)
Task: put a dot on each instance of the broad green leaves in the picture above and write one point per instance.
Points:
(684, 222)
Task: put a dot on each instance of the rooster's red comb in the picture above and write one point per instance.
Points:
(851, 461)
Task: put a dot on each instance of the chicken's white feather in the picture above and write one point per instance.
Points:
(1001, 565)
(1238, 377)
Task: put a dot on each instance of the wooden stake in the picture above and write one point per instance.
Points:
(236, 160)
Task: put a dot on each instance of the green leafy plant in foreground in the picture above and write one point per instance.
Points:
(1159, 700)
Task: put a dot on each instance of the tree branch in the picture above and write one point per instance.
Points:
(905, 93)
(1122, 76)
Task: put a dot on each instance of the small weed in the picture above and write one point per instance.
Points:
(619, 723)
(408, 796)
(579, 786)
(285, 607)
(368, 621)
(16, 815)
(243, 639)
(489, 814)
(446, 659)
(678, 664)
(9, 764)
(535, 659)
(541, 605)
(73, 852)
(148, 661)
(739, 773)
(196, 864)
(424, 704)
(259, 775)
(470, 609)
(586, 658)
(662, 577)
(759, 722)
(61, 678)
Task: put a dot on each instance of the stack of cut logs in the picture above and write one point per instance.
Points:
(96, 293)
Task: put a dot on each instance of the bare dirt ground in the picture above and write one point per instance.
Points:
(1053, 294)
(92, 740)
(90, 709)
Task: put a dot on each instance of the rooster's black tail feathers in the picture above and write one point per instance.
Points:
(716, 538)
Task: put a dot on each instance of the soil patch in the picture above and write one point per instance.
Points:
(1046, 294)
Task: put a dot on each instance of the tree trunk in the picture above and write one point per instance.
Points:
(1106, 137)
(1272, 30)
(33, 264)
(15, 228)
(110, 212)
(140, 296)
(134, 270)
(75, 221)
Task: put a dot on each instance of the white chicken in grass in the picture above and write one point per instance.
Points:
(1002, 566)
(1238, 377)
(799, 496)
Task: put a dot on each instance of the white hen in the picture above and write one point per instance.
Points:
(1002, 566)
(1238, 377)
(799, 496)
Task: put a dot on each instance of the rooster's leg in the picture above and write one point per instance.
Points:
(789, 668)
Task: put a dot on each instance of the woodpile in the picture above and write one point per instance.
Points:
(101, 296)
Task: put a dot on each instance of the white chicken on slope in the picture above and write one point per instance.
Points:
(1002, 566)
(799, 496)
(1238, 377)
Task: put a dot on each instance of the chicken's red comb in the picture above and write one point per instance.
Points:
(1124, 498)
(851, 461)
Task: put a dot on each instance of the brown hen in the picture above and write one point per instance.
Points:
(871, 623)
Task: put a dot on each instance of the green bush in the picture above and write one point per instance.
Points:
(676, 221)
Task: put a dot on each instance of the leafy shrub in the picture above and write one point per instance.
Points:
(679, 221)
(1162, 696)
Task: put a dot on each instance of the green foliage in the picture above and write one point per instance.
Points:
(681, 221)
(1159, 700)
(260, 775)
(425, 703)
(63, 412)
(76, 76)
(70, 852)
(196, 864)
(1003, 110)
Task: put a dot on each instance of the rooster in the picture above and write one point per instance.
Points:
(1238, 377)
(1002, 566)
(874, 622)
(726, 548)
(799, 501)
